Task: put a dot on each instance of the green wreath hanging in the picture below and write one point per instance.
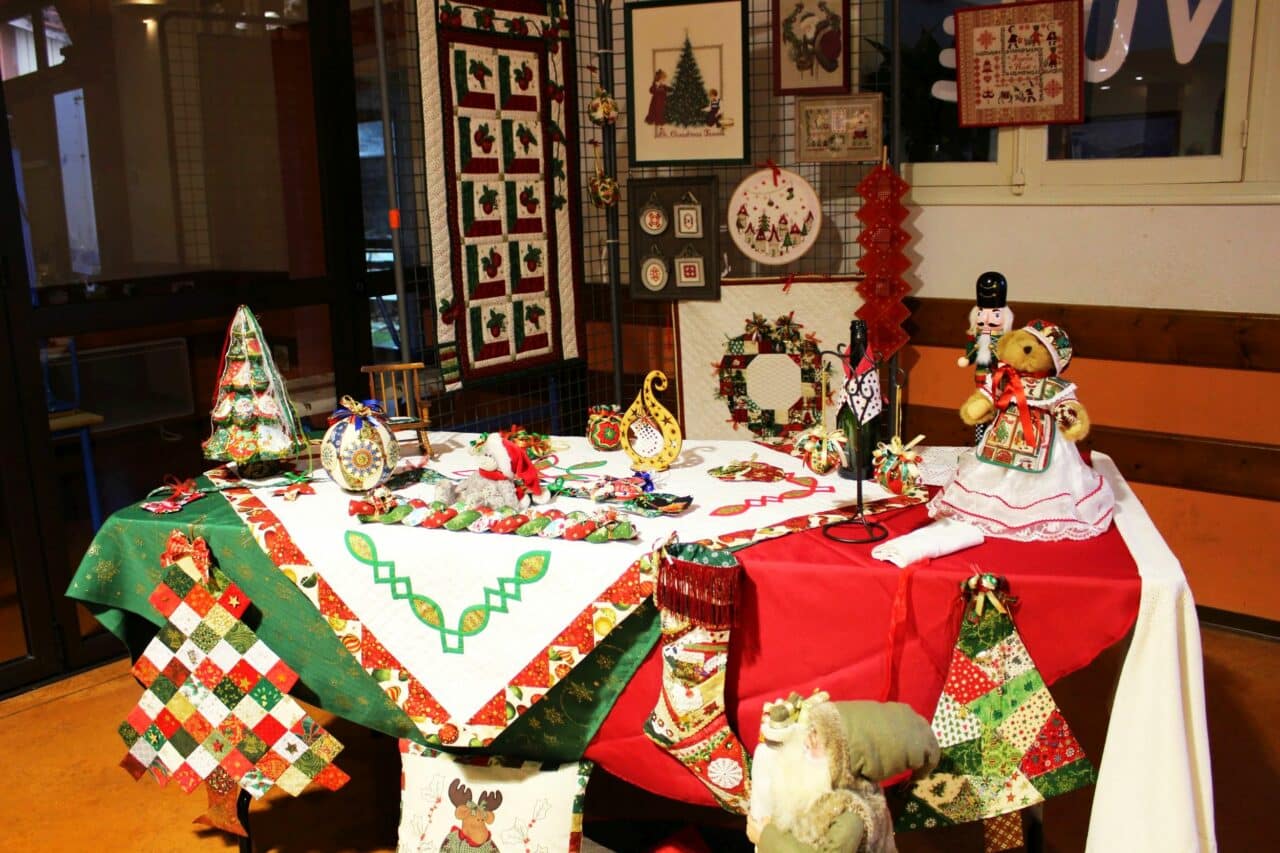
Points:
(783, 336)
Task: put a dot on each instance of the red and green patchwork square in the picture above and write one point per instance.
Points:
(489, 325)
(480, 143)
(519, 82)
(483, 206)
(522, 143)
(532, 325)
(525, 207)
(473, 69)
(487, 271)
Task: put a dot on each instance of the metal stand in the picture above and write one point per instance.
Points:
(856, 530)
(609, 161)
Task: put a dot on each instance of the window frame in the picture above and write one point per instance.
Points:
(1242, 174)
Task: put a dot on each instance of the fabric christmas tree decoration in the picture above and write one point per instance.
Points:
(215, 708)
(252, 419)
(695, 594)
(1005, 745)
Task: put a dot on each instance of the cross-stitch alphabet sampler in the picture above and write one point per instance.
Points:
(498, 99)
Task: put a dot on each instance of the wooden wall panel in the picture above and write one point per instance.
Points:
(1206, 402)
(1201, 338)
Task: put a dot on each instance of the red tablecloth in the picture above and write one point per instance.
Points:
(816, 614)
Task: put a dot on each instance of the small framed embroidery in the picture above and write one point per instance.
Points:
(653, 219)
(839, 130)
(653, 273)
(688, 216)
(690, 271)
(674, 237)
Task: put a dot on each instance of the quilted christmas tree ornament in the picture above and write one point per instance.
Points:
(215, 709)
(358, 450)
(253, 420)
(695, 593)
(1005, 745)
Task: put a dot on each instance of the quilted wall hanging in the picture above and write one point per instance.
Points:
(497, 97)
(748, 364)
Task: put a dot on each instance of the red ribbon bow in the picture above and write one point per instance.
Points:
(1008, 382)
(769, 164)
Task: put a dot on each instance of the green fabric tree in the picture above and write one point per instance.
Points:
(688, 101)
(253, 420)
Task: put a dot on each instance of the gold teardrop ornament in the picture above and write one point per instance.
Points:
(650, 434)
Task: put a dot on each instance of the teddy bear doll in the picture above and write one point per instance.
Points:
(1026, 480)
(816, 774)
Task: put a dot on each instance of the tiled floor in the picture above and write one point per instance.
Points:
(64, 790)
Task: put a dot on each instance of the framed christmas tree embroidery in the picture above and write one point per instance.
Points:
(687, 72)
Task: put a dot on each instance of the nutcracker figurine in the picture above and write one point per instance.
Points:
(990, 318)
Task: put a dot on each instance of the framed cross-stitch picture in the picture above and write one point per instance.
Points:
(839, 130)
(811, 41)
(687, 76)
(1021, 63)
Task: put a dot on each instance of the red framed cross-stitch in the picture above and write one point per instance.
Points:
(1020, 63)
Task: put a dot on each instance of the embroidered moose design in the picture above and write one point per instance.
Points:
(475, 815)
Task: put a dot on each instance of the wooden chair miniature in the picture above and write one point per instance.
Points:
(398, 387)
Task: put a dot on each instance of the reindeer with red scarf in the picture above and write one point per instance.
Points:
(475, 815)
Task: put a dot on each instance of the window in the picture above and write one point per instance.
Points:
(1167, 109)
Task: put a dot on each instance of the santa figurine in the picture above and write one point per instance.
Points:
(990, 318)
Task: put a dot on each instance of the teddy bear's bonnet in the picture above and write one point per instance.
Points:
(1055, 340)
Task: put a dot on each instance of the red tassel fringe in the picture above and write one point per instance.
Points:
(702, 594)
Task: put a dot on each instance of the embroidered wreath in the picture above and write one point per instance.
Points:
(761, 337)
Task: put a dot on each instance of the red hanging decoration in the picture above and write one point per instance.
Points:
(883, 261)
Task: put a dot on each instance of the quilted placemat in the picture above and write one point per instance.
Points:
(749, 364)
(497, 84)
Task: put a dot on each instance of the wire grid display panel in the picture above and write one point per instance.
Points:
(647, 327)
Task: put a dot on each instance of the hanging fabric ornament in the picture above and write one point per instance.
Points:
(653, 217)
(358, 450)
(602, 189)
(602, 109)
(883, 259)
(1005, 745)
(776, 216)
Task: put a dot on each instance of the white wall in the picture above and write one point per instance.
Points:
(1196, 257)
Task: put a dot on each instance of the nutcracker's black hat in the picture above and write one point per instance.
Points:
(993, 290)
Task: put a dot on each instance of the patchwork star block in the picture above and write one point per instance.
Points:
(215, 709)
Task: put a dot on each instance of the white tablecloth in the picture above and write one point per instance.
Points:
(1155, 789)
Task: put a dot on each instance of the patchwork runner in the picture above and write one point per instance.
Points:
(467, 631)
(497, 83)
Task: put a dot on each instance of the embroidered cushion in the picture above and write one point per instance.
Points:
(486, 804)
